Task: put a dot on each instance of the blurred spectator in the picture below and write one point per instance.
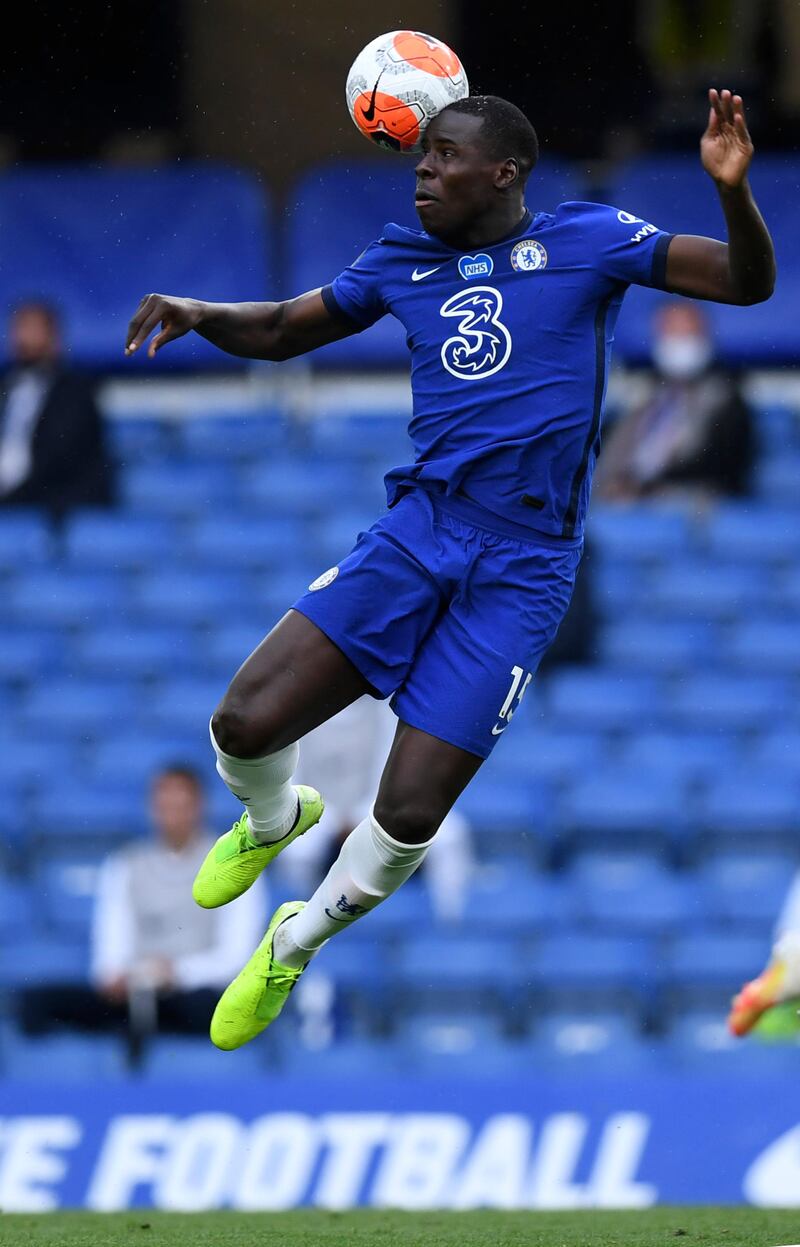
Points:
(158, 961)
(693, 434)
(52, 447)
(365, 731)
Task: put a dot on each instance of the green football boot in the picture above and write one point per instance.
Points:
(259, 991)
(235, 861)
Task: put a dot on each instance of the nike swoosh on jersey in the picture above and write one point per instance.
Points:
(496, 731)
(369, 113)
(418, 276)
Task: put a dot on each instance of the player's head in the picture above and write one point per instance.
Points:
(35, 332)
(176, 805)
(477, 153)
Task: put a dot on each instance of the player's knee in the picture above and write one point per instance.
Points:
(412, 820)
(236, 730)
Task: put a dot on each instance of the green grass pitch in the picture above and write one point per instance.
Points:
(657, 1227)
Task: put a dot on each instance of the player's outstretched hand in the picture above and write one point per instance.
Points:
(175, 316)
(726, 148)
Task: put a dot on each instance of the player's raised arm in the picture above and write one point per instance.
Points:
(274, 331)
(742, 272)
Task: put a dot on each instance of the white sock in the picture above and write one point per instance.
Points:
(787, 950)
(262, 785)
(370, 866)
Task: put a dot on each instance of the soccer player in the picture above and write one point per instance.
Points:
(450, 600)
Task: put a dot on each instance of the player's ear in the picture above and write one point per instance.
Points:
(507, 174)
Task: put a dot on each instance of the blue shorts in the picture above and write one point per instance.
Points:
(444, 606)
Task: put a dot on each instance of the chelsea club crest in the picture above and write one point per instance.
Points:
(528, 256)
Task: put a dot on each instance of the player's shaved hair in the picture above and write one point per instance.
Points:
(506, 130)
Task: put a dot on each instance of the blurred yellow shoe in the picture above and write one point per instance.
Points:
(234, 863)
(259, 991)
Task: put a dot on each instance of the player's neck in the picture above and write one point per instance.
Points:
(486, 230)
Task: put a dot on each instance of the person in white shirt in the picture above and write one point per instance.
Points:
(158, 961)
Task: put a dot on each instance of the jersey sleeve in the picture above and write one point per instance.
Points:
(355, 295)
(629, 249)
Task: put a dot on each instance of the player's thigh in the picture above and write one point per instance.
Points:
(471, 674)
(296, 679)
(422, 779)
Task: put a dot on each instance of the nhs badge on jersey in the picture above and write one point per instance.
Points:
(470, 266)
(528, 256)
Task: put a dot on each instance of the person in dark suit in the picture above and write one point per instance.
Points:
(52, 446)
(692, 435)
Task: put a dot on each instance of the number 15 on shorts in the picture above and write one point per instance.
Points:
(519, 683)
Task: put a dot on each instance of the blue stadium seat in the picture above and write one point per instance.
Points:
(183, 1058)
(41, 959)
(66, 888)
(74, 811)
(74, 1058)
(358, 966)
(601, 699)
(776, 428)
(641, 533)
(368, 442)
(789, 590)
(291, 487)
(668, 646)
(592, 1044)
(670, 192)
(755, 804)
(176, 488)
(776, 479)
(702, 966)
(135, 650)
(439, 965)
(745, 891)
(26, 539)
(631, 894)
(137, 755)
(707, 591)
(246, 541)
(517, 901)
(336, 535)
(778, 749)
(550, 753)
(408, 909)
(86, 707)
(681, 756)
(490, 804)
(208, 230)
(28, 760)
(58, 596)
(346, 1059)
(177, 596)
(716, 701)
(764, 646)
(227, 646)
(238, 436)
(621, 804)
(184, 705)
(18, 912)
(140, 437)
(452, 1044)
(594, 969)
(753, 532)
(97, 539)
(29, 653)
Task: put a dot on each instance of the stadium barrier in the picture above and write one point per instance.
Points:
(285, 1143)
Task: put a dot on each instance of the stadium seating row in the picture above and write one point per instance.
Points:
(212, 232)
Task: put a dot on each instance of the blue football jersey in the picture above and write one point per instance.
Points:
(510, 349)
